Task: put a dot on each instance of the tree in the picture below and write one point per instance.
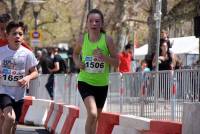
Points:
(64, 20)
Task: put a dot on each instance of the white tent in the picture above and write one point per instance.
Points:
(143, 50)
(186, 47)
(140, 52)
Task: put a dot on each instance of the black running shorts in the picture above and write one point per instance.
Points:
(6, 100)
(99, 92)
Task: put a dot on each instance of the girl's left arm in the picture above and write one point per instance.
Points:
(113, 58)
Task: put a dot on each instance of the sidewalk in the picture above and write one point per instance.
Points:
(22, 129)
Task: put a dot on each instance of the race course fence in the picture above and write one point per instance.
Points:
(155, 95)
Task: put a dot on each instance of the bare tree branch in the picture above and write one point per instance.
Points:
(181, 7)
(51, 33)
(135, 20)
(14, 10)
(83, 17)
(5, 6)
(108, 2)
(65, 1)
(147, 5)
(23, 10)
(54, 20)
(171, 20)
(184, 10)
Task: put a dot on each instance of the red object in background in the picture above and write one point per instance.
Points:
(26, 45)
(106, 122)
(27, 102)
(4, 42)
(164, 127)
(125, 62)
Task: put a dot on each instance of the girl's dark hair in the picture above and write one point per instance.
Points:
(168, 51)
(4, 18)
(128, 46)
(97, 11)
(15, 24)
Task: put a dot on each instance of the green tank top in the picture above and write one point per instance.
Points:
(96, 71)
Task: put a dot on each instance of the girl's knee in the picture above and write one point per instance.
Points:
(93, 114)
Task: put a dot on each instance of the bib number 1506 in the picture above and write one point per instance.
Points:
(94, 65)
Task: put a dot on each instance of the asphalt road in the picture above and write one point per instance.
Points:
(22, 129)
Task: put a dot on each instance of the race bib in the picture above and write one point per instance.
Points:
(94, 65)
(11, 76)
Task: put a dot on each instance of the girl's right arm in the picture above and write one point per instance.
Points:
(77, 52)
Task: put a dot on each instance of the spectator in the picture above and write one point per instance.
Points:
(177, 62)
(179, 78)
(125, 58)
(165, 36)
(143, 67)
(165, 61)
(59, 67)
(165, 58)
(39, 56)
(46, 62)
(58, 62)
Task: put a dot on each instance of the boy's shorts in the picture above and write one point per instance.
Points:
(6, 100)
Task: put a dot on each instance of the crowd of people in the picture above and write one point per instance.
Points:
(167, 60)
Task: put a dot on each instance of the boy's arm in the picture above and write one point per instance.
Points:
(32, 75)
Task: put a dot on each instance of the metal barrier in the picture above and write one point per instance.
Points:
(37, 87)
(133, 93)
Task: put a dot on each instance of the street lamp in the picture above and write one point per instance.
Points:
(36, 9)
(36, 35)
(157, 17)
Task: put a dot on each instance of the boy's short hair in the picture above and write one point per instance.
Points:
(15, 24)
